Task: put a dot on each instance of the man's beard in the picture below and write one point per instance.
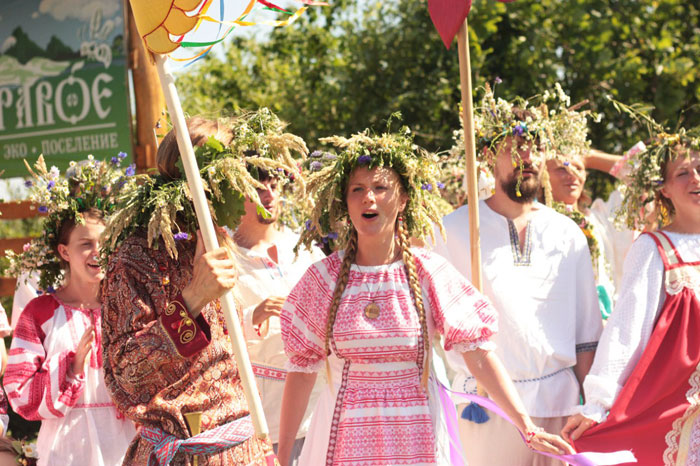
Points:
(529, 188)
(269, 220)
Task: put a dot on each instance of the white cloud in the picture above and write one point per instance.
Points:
(78, 9)
(9, 42)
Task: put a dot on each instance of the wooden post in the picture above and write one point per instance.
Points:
(148, 95)
(206, 226)
(465, 78)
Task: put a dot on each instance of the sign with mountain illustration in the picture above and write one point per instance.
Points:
(63, 82)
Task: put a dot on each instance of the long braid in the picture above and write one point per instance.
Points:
(340, 285)
(414, 284)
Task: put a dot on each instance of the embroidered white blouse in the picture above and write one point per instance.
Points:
(260, 278)
(545, 297)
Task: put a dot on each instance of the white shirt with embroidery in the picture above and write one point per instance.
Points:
(260, 278)
(629, 327)
(545, 297)
(80, 424)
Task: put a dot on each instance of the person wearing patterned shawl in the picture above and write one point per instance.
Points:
(537, 271)
(55, 366)
(644, 385)
(369, 312)
(168, 359)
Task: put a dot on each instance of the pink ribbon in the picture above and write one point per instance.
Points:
(578, 459)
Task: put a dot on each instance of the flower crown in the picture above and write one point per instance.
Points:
(416, 168)
(644, 168)
(494, 119)
(230, 174)
(567, 125)
(86, 185)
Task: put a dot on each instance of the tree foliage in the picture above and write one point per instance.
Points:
(348, 66)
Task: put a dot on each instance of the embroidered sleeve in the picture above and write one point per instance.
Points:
(303, 319)
(38, 384)
(460, 313)
(628, 330)
(145, 348)
(189, 335)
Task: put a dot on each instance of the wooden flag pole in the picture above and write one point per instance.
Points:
(206, 226)
(465, 78)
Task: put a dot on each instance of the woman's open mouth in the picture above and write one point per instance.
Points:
(369, 215)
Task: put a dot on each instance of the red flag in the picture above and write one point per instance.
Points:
(448, 16)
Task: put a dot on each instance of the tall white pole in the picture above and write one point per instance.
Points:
(206, 226)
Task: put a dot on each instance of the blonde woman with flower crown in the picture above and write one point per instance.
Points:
(368, 314)
(644, 385)
(54, 373)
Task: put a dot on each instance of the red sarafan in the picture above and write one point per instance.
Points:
(652, 415)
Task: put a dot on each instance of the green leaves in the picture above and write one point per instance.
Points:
(343, 68)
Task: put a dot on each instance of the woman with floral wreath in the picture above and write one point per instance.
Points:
(644, 385)
(370, 311)
(54, 373)
(168, 359)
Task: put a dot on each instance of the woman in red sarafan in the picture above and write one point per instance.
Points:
(646, 371)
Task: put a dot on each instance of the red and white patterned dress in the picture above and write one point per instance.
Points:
(80, 424)
(377, 412)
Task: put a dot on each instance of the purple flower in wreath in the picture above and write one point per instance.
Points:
(364, 159)
(43, 209)
(316, 154)
(181, 236)
(130, 170)
(427, 187)
(316, 166)
(121, 155)
(332, 235)
(50, 289)
(28, 183)
(50, 185)
(519, 129)
(329, 156)
(498, 80)
(115, 160)
(307, 224)
(440, 185)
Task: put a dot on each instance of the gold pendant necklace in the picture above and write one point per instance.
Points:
(372, 310)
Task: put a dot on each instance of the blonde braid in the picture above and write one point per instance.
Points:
(340, 285)
(414, 284)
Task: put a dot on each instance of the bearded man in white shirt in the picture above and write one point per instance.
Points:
(268, 272)
(537, 272)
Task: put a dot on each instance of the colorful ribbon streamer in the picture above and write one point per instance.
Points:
(578, 459)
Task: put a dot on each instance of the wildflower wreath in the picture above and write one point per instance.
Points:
(230, 174)
(496, 118)
(85, 185)
(645, 169)
(417, 170)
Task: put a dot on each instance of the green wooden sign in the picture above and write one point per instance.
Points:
(63, 82)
